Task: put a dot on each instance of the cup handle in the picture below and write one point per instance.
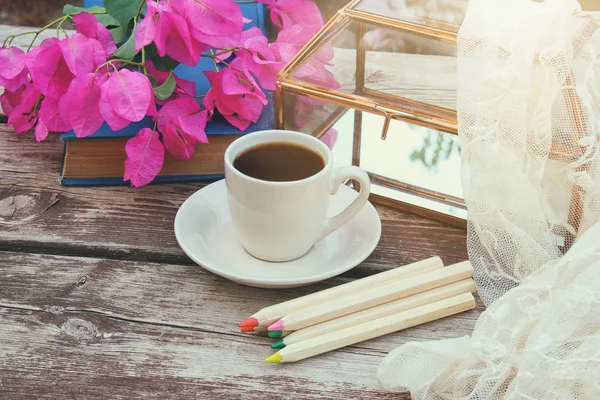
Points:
(340, 175)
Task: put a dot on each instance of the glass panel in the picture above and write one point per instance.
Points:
(443, 14)
(424, 158)
(412, 154)
(317, 118)
(397, 68)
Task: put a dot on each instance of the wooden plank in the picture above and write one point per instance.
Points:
(144, 330)
(37, 214)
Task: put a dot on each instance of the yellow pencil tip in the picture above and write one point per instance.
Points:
(275, 358)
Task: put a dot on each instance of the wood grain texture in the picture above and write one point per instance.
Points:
(146, 330)
(37, 214)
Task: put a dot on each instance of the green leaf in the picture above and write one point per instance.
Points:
(104, 19)
(164, 64)
(165, 90)
(123, 10)
(121, 33)
(127, 49)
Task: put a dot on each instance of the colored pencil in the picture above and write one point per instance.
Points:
(372, 297)
(373, 313)
(268, 315)
(372, 329)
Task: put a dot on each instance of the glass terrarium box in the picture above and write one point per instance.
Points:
(378, 84)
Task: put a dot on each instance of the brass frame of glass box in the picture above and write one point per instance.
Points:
(413, 112)
(387, 106)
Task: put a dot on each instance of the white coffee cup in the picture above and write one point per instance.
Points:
(281, 221)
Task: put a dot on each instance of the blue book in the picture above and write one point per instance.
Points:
(98, 159)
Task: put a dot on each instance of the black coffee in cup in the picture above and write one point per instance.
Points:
(279, 162)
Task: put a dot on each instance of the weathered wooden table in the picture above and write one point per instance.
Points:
(97, 300)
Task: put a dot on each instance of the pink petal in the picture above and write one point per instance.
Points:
(209, 99)
(144, 33)
(86, 24)
(114, 121)
(79, 106)
(306, 14)
(211, 16)
(99, 55)
(194, 125)
(50, 115)
(179, 44)
(24, 115)
(9, 100)
(161, 76)
(145, 158)
(106, 40)
(17, 82)
(129, 94)
(187, 87)
(12, 62)
(41, 131)
(237, 80)
(176, 143)
(179, 107)
(330, 138)
(78, 53)
(49, 71)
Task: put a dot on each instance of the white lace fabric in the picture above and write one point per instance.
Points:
(529, 122)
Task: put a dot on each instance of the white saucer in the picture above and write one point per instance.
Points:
(205, 232)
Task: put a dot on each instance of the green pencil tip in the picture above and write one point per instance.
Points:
(278, 344)
(275, 334)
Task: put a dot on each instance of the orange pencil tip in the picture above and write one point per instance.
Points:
(247, 329)
(249, 323)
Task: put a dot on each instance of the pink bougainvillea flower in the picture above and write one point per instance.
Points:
(78, 53)
(145, 33)
(9, 100)
(28, 107)
(114, 121)
(129, 93)
(79, 106)
(288, 44)
(170, 31)
(13, 71)
(145, 158)
(87, 24)
(239, 109)
(50, 115)
(215, 23)
(297, 37)
(259, 58)
(48, 68)
(12, 62)
(24, 116)
(304, 13)
(237, 80)
(41, 130)
(182, 124)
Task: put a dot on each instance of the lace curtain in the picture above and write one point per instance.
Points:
(529, 123)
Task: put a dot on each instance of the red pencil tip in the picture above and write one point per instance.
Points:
(249, 323)
(246, 329)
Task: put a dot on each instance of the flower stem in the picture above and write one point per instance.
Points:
(135, 23)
